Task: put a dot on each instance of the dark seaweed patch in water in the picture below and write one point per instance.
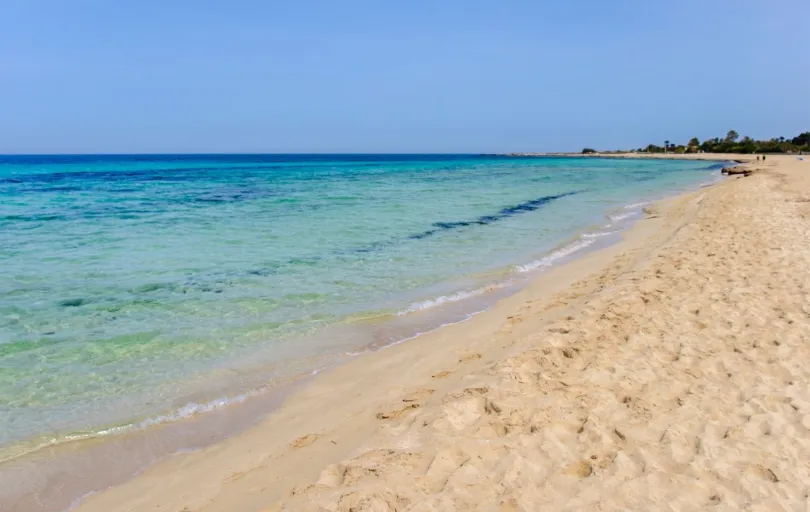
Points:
(376, 246)
(152, 287)
(32, 218)
(530, 206)
(423, 234)
(509, 211)
(452, 225)
(74, 303)
(307, 262)
(262, 272)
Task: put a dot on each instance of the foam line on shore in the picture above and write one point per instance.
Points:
(447, 299)
(560, 253)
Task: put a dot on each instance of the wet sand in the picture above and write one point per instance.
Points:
(667, 370)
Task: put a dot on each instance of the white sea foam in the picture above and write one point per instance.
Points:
(597, 234)
(556, 255)
(637, 205)
(187, 411)
(445, 299)
(618, 217)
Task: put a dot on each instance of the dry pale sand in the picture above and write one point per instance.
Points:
(668, 371)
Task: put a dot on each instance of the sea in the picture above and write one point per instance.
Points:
(138, 290)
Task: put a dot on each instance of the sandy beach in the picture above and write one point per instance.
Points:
(669, 370)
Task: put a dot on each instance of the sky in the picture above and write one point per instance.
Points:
(452, 76)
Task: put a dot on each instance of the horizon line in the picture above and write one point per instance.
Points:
(294, 153)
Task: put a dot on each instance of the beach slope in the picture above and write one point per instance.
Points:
(668, 371)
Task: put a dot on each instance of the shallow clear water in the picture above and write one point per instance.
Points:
(131, 286)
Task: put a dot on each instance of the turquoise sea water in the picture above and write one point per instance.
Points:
(138, 289)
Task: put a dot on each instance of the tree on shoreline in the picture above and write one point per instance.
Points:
(732, 143)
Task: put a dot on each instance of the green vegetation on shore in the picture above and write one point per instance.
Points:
(731, 143)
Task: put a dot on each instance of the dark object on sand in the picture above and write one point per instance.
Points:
(737, 169)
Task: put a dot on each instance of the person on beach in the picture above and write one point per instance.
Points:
(757, 158)
(763, 158)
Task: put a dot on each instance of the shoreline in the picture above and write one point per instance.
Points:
(296, 417)
(510, 279)
(708, 157)
(253, 331)
(187, 433)
(674, 377)
(435, 333)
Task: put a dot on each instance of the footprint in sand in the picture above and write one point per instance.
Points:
(304, 441)
(417, 395)
(509, 505)
(410, 400)
(581, 469)
(512, 320)
(470, 358)
(396, 413)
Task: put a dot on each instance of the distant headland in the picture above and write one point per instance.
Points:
(731, 143)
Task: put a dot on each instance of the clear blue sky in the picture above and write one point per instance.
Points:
(111, 76)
